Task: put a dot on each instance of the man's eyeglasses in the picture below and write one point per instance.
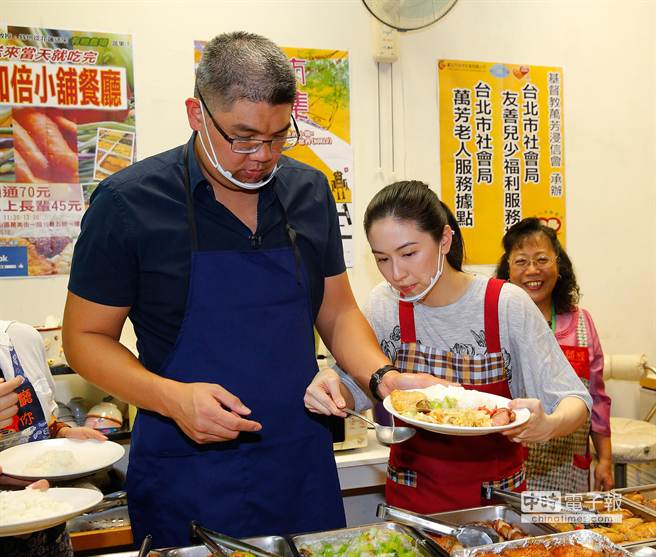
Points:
(247, 146)
(540, 262)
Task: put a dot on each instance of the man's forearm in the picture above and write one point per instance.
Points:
(105, 362)
(353, 344)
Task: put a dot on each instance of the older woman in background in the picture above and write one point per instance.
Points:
(534, 260)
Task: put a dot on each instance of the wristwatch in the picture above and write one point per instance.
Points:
(377, 377)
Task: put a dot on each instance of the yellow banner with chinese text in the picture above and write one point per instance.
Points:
(501, 149)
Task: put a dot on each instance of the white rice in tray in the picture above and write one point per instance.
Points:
(51, 463)
(29, 504)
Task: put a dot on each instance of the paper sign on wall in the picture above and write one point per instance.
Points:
(501, 149)
(66, 122)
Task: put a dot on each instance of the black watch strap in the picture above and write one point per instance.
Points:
(377, 377)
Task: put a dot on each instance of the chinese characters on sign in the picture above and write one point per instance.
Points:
(501, 150)
(322, 111)
(58, 90)
(62, 85)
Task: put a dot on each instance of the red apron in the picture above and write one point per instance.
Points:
(563, 464)
(433, 472)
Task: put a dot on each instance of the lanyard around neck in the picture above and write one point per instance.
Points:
(553, 318)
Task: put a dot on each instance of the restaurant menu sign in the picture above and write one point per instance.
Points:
(66, 122)
(322, 112)
(501, 149)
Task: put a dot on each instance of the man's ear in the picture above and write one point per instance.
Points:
(194, 114)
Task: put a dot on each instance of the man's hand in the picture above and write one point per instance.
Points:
(207, 413)
(8, 400)
(323, 395)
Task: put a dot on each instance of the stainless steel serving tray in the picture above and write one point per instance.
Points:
(647, 514)
(491, 513)
(425, 547)
(272, 544)
(590, 540)
(647, 490)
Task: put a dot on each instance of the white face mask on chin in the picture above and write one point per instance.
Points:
(431, 284)
(214, 161)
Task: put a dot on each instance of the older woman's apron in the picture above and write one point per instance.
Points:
(563, 464)
(433, 472)
(248, 327)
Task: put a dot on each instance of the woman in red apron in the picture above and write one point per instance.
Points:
(535, 261)
(430, 316)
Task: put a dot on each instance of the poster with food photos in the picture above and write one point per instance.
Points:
(66, 97)
(501, 149)
(322, 111)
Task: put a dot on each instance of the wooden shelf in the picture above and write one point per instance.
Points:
(99, 539)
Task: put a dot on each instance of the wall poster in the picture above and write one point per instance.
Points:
(501, 149)
(322, 112)
(66, 122)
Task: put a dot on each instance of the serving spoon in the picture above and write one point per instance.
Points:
(387, 435)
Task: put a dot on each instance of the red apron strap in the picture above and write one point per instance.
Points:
(407, 322)
(492, 292)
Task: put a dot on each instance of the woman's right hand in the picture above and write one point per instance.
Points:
(323, 395)
(9, 400)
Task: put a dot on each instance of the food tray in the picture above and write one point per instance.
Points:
(648, 491)
(587, 539)
(636, 510)
(648, 515)
(491, 513)
(272, 544)
(425, 547)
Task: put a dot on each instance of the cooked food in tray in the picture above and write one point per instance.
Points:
(582, 543)
(632, 529)
(454, 406)
(648, 500)
(539, 550)
(374, 541)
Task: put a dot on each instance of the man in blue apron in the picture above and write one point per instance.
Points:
(223, 253)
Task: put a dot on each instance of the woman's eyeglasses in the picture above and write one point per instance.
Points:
(540, 262)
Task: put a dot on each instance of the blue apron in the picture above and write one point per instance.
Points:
(30, 412)
(248, 328)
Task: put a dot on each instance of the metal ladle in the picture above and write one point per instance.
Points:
(387, 435)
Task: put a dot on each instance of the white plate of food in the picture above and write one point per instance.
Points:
(31, 510)
(59, 459)
(454, 410)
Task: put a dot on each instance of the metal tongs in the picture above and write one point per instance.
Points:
(468, 535)
(223, 545)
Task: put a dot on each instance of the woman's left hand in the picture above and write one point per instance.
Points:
(537, 429)
(603, 475)
(81, 433)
